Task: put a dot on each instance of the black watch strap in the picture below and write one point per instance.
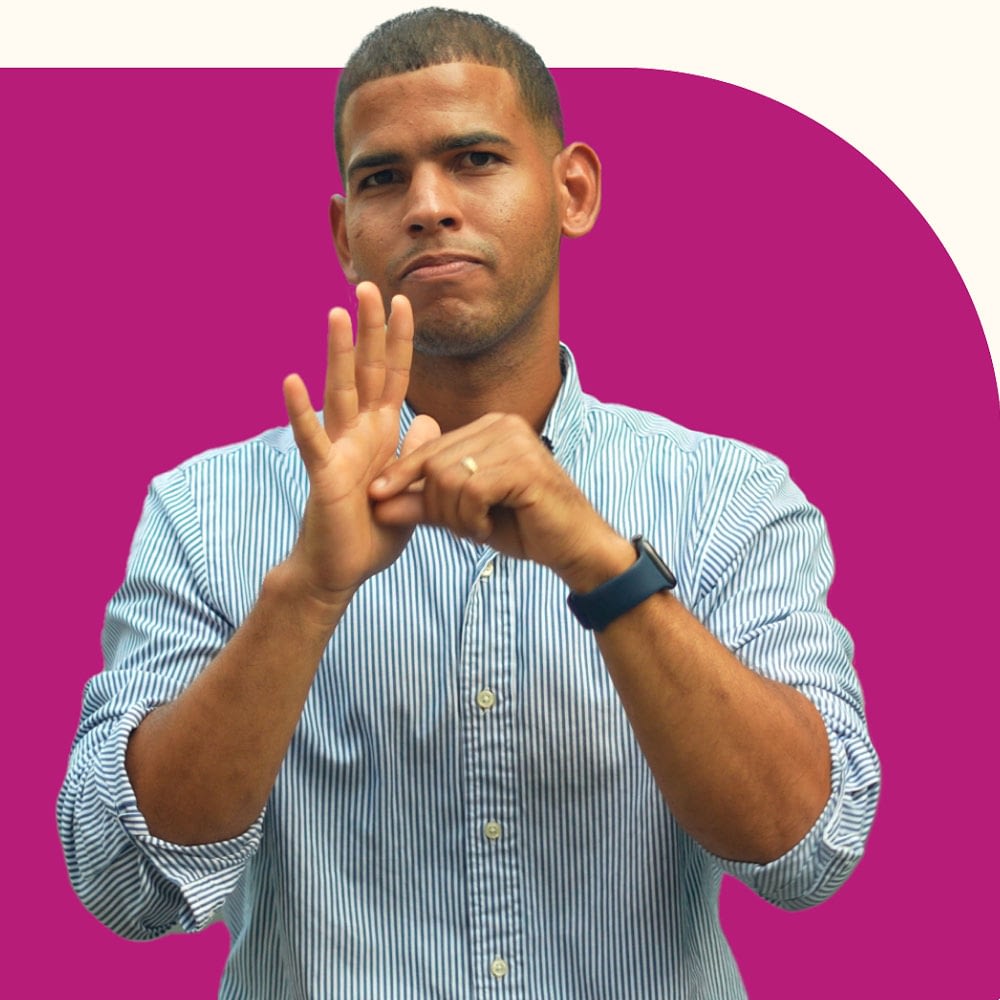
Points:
(648, 575)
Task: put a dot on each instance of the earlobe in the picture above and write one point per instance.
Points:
(338, 224)
(578, 173)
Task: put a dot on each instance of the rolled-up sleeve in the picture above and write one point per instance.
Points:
(765, 573)
(161, 630)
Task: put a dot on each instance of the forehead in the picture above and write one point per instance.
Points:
(398, 111)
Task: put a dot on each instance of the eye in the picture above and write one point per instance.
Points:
(477, 159)
(378, 179)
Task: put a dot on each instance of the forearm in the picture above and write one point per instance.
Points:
(203, 765)
(742, 761)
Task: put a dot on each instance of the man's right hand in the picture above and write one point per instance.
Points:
(203, 765)
(340, 543)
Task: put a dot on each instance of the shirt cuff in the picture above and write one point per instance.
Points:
(203, 874)
(819, 863)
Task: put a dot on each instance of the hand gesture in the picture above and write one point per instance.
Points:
(495, 482)
(340, 543)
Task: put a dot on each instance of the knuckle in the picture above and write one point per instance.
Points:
(437, 469)
(476, 491)
(512, 424)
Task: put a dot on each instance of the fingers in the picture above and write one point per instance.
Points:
(377, 370)
(451, 497)
(492, 481)
(434, 483)
(403, 511)
(398, 352)
(476, 499)
(423, 430)
(340, 396)
(384, 349)
(443, 451)
(407, 509)
(310, 437)
(369, 368)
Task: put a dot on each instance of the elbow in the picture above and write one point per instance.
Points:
(829, 853)
(821, 862)
(106, 869)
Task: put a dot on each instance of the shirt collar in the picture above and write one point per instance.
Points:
(564, 423)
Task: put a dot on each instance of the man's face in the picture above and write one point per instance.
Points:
(452, 201)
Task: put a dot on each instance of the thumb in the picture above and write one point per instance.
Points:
(422, 430)
(407, 508)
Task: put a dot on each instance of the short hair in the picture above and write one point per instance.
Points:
(434, 36)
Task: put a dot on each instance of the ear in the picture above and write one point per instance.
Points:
(338, 223)
(578, 177)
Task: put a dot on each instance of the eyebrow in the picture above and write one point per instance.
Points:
(450, 142)
(445, 144)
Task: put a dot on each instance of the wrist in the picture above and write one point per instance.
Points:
(598, 607)
(289, 584)
(608, 556)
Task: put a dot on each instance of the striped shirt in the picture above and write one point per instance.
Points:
(463, 810)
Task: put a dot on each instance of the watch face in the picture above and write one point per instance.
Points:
(654, 557)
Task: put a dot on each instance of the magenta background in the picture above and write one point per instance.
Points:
(166, 261)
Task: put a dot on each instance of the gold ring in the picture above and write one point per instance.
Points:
(469, 463)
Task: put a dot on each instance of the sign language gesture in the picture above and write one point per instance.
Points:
(495, 482)
(340, 543)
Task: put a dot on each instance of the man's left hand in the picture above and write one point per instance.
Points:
(742, 761)
(495, 482)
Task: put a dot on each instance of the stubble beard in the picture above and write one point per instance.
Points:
(458, 339)
(464, 332)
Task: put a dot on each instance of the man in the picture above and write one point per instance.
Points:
(347, 703)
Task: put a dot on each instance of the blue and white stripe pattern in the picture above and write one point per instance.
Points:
(464, 811)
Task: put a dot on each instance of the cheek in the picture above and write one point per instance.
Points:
(368, 246)
(506, 219)
(528, 217)
(522, 212)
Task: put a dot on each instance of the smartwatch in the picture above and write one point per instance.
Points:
(648, 575)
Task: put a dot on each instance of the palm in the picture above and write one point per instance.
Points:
(340, 544)
(338, 505)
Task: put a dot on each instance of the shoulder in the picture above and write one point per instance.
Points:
(251, 459)
(270, 445)
(230, 492)
(224, 517)
(620, 431)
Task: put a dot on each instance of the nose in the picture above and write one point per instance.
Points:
(432, 202)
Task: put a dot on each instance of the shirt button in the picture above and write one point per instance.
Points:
(486, 699)
(492, 830)
(487, 571)
(498, 967)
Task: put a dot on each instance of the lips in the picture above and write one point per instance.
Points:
(439, 265)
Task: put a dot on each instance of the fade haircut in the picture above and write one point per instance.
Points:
(434, 36)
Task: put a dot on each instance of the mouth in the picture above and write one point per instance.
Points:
(438, 266)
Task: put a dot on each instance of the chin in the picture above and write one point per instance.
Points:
(451, 328)
(449, 342)
(456, 334)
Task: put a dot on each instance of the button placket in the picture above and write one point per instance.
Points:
(487, 665)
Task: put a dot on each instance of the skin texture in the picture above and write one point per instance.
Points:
(494, 211)
(489, 208)
(446, 172)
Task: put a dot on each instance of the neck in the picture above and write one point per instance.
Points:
(456, 391)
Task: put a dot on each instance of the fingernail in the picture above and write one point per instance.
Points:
(380, 483)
